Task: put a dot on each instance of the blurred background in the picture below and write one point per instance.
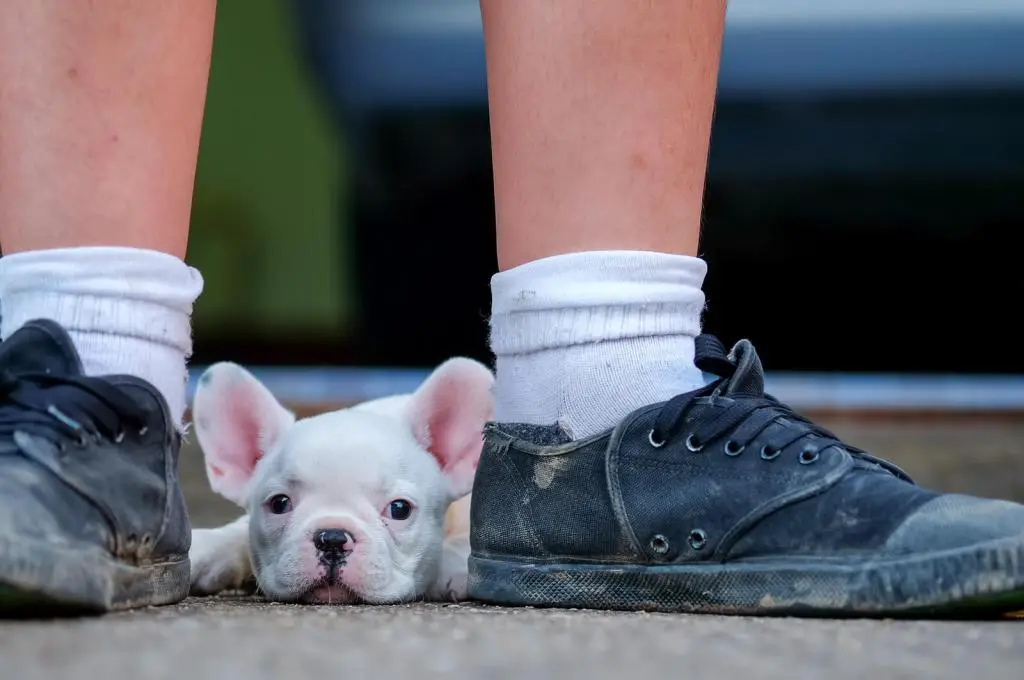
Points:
(863, 210)
(863, 203)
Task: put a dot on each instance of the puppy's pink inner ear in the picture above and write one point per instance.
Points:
(454, 437)
(448, 419)
(239, 435)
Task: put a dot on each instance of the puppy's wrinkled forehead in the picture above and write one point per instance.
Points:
(350, 446)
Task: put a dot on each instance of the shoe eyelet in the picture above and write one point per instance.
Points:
(693, 444)
(143, 430)
(733, 449)
(768, 453)
(656, 443)
(83, 440)
(119, 437)
(659, 544)
(698, 539)
(808, 456)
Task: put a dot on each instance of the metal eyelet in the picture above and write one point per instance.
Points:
(698, 539)
(768, 453)
(693, 444)
(143, 430)
(733, 449)
(119, 437)
(659, 544)
(654, 442)
(808, 456)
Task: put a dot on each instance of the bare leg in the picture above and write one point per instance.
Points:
(600, 123)
(600, 117)
(101, 105)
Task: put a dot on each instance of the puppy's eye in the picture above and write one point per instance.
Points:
(280, 504)
(400, 509)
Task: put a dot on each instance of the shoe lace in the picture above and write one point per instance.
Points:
(744, 418)
(62, 407)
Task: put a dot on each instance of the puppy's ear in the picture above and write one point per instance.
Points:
(237, 420)
(448, 413)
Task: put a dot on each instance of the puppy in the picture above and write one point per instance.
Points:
(365, 504)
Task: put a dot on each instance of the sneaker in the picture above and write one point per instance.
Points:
(92, 518)
(725, 501)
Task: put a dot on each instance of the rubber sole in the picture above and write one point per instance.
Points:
(45, 580)
(983, 581)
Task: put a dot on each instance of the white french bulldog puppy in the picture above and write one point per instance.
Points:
(365, 504)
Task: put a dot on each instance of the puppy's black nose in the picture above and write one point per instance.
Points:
(331, 540)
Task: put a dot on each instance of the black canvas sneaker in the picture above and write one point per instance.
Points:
(724, 500)
(91, 513)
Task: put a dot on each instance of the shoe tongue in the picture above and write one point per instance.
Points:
(748, 378)
(40, 346)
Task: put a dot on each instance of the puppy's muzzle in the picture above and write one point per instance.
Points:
(332, 545)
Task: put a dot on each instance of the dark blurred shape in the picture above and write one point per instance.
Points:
(864, 197)
(407, 82)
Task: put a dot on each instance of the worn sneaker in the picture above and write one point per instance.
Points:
(92, 517)
(723, 500)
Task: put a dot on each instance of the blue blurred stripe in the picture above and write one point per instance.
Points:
(314, 386)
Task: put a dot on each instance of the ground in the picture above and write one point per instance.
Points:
(229, 638)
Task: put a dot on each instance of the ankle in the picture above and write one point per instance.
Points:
(127, 310)
(582, 339)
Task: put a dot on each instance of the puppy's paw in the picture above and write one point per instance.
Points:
(453, 582)
(219, 560)
(457, 588)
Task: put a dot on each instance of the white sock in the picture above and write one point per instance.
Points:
(583, 339)
(127, 310)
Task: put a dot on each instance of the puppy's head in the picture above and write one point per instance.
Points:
(347, 506)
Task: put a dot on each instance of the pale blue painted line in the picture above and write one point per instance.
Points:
(315, 385)
(301, 386)
(889, 391)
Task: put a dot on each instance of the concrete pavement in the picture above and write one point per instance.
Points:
(243, 639)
